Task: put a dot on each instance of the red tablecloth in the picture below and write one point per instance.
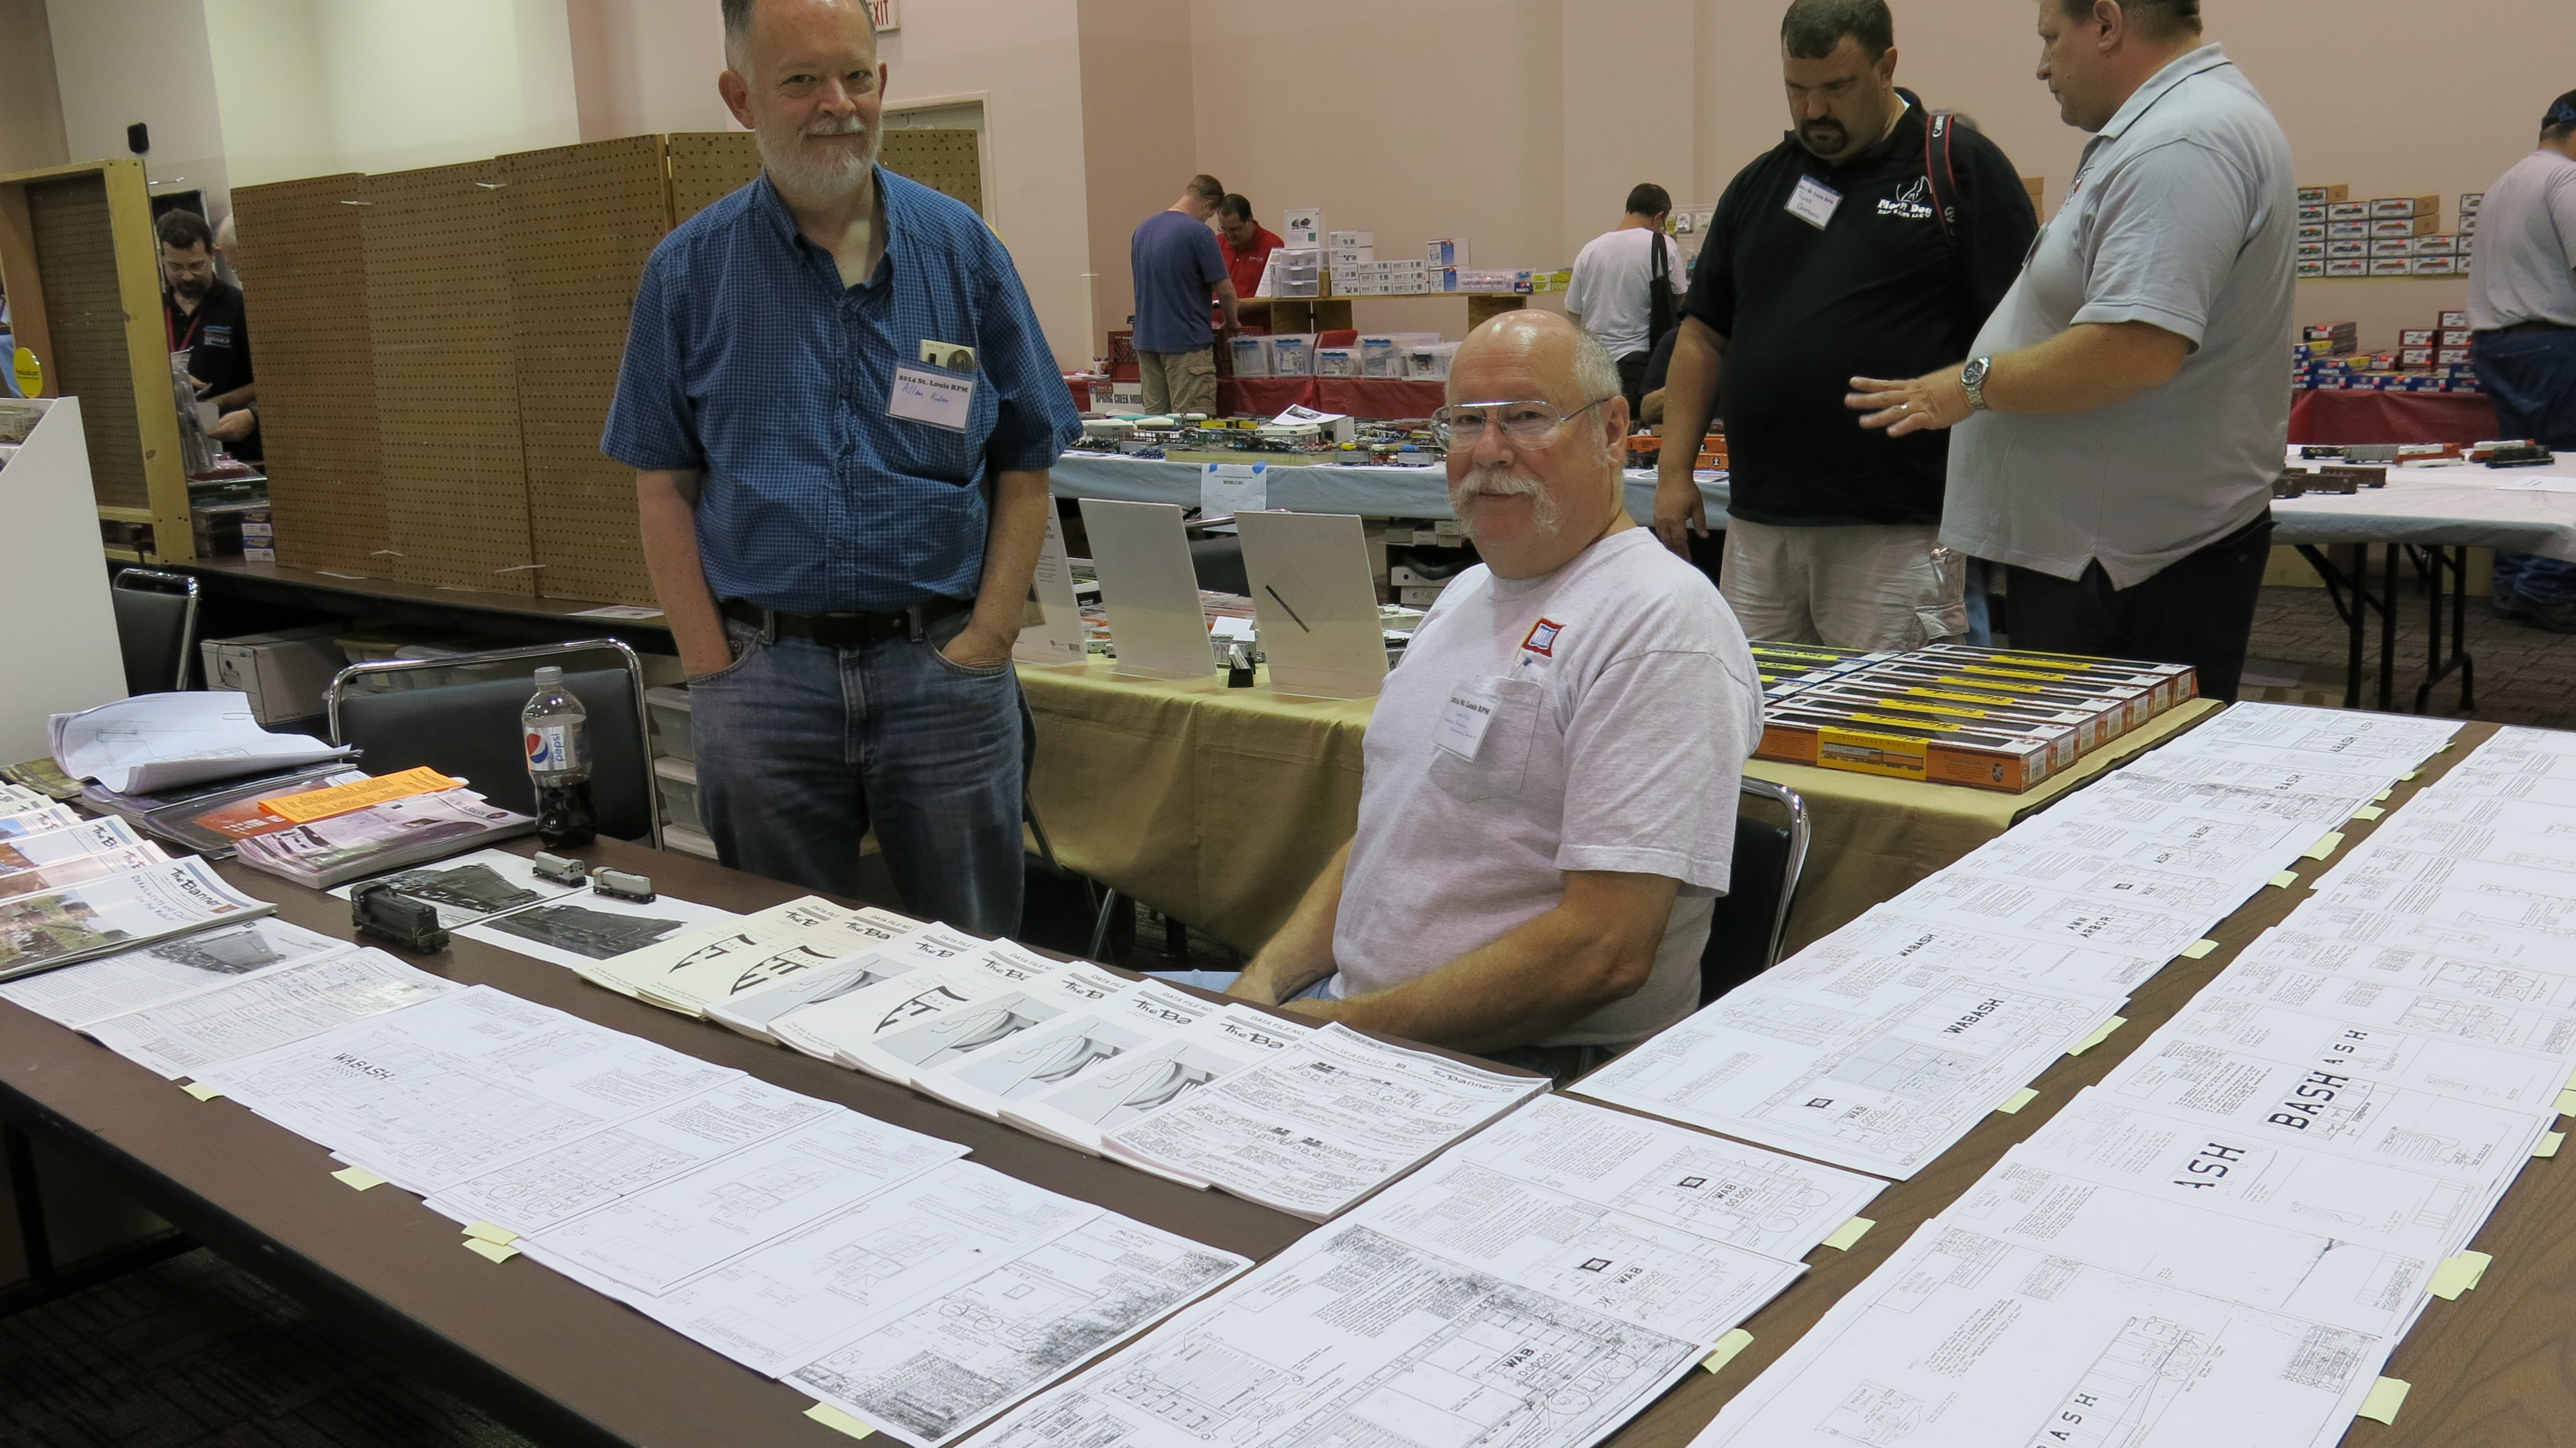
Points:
(1361, 397)
(2333, 416)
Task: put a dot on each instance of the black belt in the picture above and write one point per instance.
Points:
(846, 630)
(2526, 327)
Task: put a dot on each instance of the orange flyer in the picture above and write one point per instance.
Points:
(341, 799)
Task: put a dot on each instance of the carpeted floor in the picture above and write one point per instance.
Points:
(194, 1353)
(2525, 675)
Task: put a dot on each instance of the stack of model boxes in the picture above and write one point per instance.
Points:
(1998, 719)
(2393, 236)
(1788, 669)
(2426, 359)
(1356, 270)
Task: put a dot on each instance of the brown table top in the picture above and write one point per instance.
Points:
(2488, 1369)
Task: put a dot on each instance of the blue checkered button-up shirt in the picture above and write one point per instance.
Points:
(750, 362)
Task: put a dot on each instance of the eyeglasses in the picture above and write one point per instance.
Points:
(1530, 424)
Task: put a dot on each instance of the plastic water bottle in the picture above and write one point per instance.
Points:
(559, 762)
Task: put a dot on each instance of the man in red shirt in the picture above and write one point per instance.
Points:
(1248, 244)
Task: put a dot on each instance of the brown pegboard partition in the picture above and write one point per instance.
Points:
(75, 246)
(447, 396)
(707, 165)
(303, 264)
(947, 160)
(582, 220)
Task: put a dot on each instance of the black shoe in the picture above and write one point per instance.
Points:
(2555, 617)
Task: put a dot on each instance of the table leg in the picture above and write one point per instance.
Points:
(2431, 564)
(2345, 590)
(33, 1239)
(2388, 630)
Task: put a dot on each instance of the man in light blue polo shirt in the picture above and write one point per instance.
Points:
(2124, 411)
(841, 412)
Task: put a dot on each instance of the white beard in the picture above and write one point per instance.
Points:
(812, 177)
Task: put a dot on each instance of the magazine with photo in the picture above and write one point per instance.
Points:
(407, 831)
(588, 927)
(218, 955)
(120, 913)
(471, 887)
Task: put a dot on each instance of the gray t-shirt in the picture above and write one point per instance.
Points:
(2183, 215)
(2525, 267)
(1623, 706)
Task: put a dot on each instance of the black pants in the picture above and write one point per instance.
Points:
(1632, 385)
(2199, 610)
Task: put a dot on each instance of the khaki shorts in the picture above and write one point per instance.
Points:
(1179, 381)
(1869, 586)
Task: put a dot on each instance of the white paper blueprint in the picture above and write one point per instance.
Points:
(2034, 912)
(2488, 1006)
(470, 887)
(2124, 791)
(1883, 1084)
(752, 1011)
(1724, 1191)
(76, 995)
(2233, 1170)
(155, 741)
(2306, 959)
(1964, 1341)
(2440, 1063)
(561, 1182)
(1063, 1049)
(955, 1359)
(1335, 1341)
(1321, 1124)
(2433, 912)
(2205, 883)
(2460, 924)
(2377, 872)
(442, 1093)
(908, 1050)
(827, 1028)
(194, 1035)
(2329, 1109)
(2330, 732)
(1076, 1111)
(658, 1238)
(2269, 772)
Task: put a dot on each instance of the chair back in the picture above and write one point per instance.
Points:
(1752, 918)
(470, 729)
(156, 628)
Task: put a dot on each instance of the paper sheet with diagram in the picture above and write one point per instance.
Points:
(753, 1010)
(195, 1033)
(1078, 1109)
(942, 978)
(1063, 1050)
(1352, 1336)
(911, 1051)
(2038, 912)
(2440, 1063)
(685, 972)
(471, 887)
(2123, 791)
(158, 741)
(1321, 1124)
(661, 1236)
(1963, 1340)
(591, 1170)
(2479, 1006)
(441, 1093)
(1880, 1083)
(836, 936)
(1886, 941)
(2398, 740)
(2456, 919)
(586, 928)
(112, 985)
(2206, 884)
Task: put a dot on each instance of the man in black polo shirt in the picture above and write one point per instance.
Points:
(201, 314)
(1872, 233)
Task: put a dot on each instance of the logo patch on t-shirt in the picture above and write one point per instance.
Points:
(1542, 638)
(217, 337)
(1909, 204)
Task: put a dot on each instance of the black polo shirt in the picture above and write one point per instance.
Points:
(215, 336)
(1875, 292)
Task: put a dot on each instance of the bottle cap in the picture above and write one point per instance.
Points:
(550, 677)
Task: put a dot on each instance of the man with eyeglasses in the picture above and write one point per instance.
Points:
(1548, 804)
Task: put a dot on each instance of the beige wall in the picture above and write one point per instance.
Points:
(31, 111)
(641, 66)
(121, 61)
(1139, 137)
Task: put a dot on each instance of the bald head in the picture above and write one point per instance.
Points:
(1544, 345)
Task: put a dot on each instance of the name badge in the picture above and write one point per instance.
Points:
(932, 395)
(1814, 202)
(1461, 729)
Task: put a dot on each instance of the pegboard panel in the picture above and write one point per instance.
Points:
(582, 220)
(304, 273)
(75, 247)
(948, 161)
(447, 399)
(706, 166)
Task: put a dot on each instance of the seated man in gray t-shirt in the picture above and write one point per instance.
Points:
(1549, 799)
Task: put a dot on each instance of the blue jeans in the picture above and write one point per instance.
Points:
(801, 747)
(2532, 378)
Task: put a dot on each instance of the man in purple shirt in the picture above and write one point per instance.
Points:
(1178, 267)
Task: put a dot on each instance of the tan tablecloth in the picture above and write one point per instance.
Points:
(1217, 806)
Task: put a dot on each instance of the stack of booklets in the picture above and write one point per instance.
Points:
(322, 837)
(72, 889)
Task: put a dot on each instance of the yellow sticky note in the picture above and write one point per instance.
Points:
(492, 1250)
(2284, 880)
(357, 1178)
(1735, 1341)
(201, 1090)
(2567, 1103)
(492, 1232)
(2368, 812)
(2409, 775)
(2571, 1084)
(838, 1421)
(2098, 1037)
(2018, 1100)
(2199, 949)
(1848, 1233)
(2383, 795)
(2458, 1274)
(2325, 847)
(2386, 1397)
(2549, 1143)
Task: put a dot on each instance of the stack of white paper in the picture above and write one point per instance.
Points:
(194, 1033)
(207, 960)
(692, 972)
(158, 741)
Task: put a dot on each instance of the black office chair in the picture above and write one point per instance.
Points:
(471, 729)
(156, 627)
(1752, 918)
(1219, 565)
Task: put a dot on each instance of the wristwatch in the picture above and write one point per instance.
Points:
(1973, 378)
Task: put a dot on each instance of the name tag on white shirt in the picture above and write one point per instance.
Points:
(1814, 202)
(932, 395)
(1461, 729)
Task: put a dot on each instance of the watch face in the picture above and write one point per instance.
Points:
(1975, 375)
